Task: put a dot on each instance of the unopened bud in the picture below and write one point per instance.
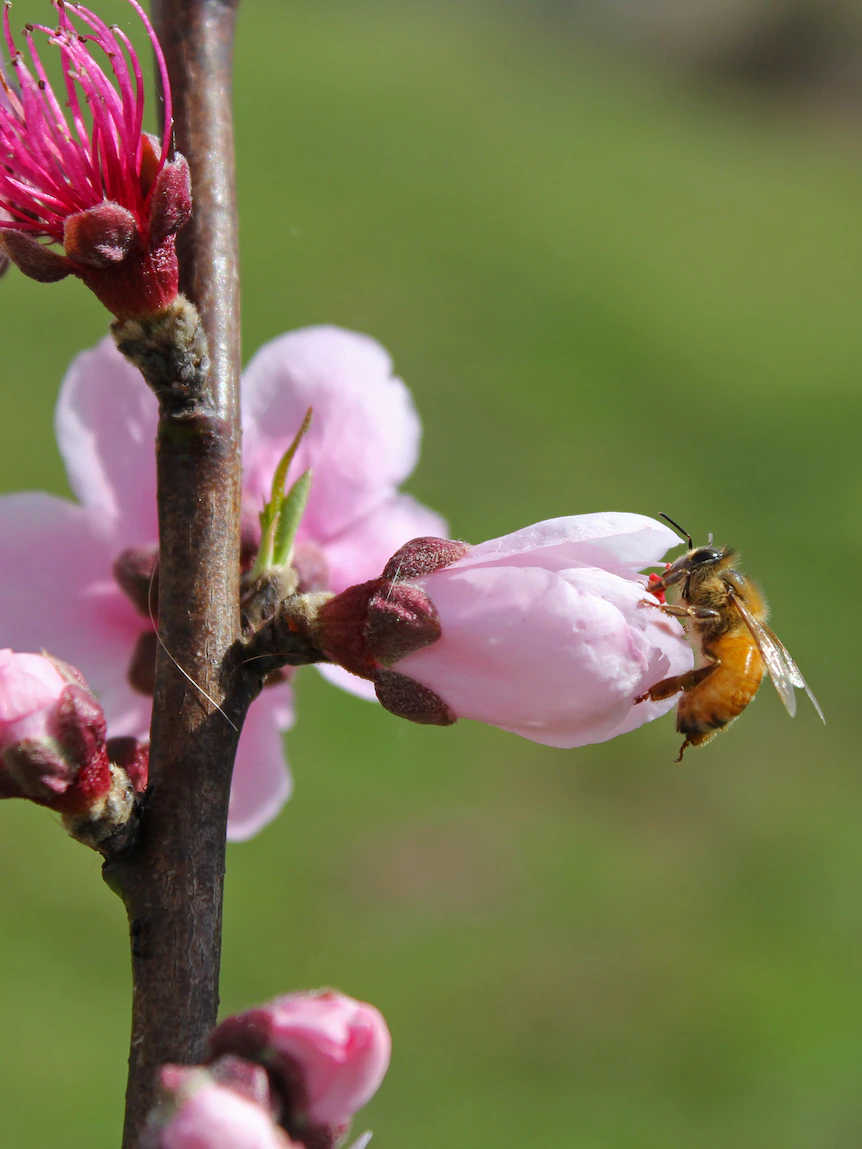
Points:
(326, 1055)
(53, 750)
(227, 1105)
(52, 734)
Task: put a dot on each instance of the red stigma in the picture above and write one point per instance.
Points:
(651, 587)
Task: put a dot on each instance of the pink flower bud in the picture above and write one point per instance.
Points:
(52, 735)
(53, 750)
(543, 632)
(224, 1108)
(327, 1053)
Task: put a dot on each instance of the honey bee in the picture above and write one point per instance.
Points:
(724, 614)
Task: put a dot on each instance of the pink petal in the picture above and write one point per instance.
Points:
(28, 683)
(344, 680)
(614, 539)
(261, 781)
(31, 689)
(127, 712)
(58, 590)
(340, 1046)
(216, 1117)
(362, 549)
(106, 427)
(364, 439)
(555, 657)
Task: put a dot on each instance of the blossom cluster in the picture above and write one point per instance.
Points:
(540, 632)
(101, 615)
(290, 1074)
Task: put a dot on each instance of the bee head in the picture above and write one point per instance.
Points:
(698, 563)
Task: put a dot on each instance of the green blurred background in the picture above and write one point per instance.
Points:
(609, 287)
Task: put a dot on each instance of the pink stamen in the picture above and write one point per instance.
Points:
(47, 171)
(121, 105)
(138, 125)
(7, 31)
(105, 105)
(168, 130)
(68, 154)
(72, 92)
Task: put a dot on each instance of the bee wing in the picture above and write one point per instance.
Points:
(793, 671)
(783, 671)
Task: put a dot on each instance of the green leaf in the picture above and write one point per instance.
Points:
(271, 525)
(292, 511)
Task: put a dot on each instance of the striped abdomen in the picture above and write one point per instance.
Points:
(726, 693)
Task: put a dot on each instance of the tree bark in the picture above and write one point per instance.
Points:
(172, 881)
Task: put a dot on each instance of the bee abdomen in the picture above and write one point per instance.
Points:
(726, 693)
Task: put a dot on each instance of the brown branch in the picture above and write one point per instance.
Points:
(172, 882)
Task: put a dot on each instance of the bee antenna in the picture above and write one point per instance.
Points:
(683, 532)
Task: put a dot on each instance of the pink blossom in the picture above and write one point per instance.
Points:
(208, 1115)
(79, 171)
(60, 561)
(329, 1052)
(543, 632)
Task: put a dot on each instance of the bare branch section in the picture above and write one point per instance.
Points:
(172, 881)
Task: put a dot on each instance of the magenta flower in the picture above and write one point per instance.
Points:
(79, 171)
(542, 632)
(76, 577)
(326, 1053)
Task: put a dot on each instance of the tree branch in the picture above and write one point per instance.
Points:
(172, 882)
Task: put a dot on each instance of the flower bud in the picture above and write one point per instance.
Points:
(53, 749)
(326, 1053)
(543, 632)
(224, 1106)
(52, 734)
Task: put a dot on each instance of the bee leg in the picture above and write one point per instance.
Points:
(701, 612)
(688, 611)
(679, 682)
(682, 750)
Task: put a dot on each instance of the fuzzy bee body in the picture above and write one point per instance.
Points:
(726, 693)
(725, 615)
